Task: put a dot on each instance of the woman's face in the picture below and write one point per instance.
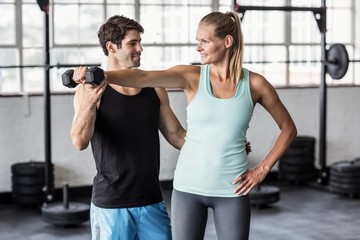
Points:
(211, 48)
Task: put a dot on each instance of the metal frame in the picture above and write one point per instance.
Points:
(58, 65)
(49, 191)
(320, 17)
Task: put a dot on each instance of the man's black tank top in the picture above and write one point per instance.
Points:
(126, 149)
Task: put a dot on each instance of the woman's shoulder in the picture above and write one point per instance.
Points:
(256, 78)
(259, 83)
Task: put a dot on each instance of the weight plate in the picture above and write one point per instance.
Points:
(28, 180)
(259, 202)
(296, 167)
(301, 146)
(299, 151)
(348, 186)
(336, 173)
(264, 195)
(347, 181)
(337, 189)
(28, 168)
(304, 176)
(303, 141)
(21, 189)
(28, 199)
(337, 61)
(346, 166)
(264, 192)
(297, 159)
(57, 214)
(341, 175)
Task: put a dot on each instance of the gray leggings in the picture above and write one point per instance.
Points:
(189, 216)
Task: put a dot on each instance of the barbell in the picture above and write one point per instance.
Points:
(337, 61)
(58, 65)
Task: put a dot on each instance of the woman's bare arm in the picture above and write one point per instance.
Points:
(175, 77)
(264, 93)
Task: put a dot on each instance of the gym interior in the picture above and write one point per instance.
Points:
(308, 50)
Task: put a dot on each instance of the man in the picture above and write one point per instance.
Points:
(122, 125)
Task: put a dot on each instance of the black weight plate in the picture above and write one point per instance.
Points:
(304, 176)
(264, 195)
(304, 140)
(334, 172)
(345, 181)
(346, 166)
(67, 218)
(348, 177)
(67, 221)
(296, 167)
(264, 192)
(57, 214)
(334, 188)
(337, 61)
(22, 189)
(354, 187)
(28, 199)
(297, 159)
(299, 151)
(28, 168)
(301, 146)
(28, 180)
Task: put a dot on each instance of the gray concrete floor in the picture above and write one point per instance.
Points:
(303, 213)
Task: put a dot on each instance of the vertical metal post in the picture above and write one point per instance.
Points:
(323, 175)
(66, 195)
(47, 111)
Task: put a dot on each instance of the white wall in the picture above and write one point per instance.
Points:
(22, 132)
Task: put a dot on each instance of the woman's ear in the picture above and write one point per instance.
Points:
(229, 40)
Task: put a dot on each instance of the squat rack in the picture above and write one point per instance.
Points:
(320, 17)
(49, 176)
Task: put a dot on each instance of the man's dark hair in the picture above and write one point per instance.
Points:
(115, 30)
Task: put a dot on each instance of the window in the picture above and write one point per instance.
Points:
(169, 37)
(290, 37)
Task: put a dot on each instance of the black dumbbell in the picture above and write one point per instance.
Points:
(67, 79)
(93, 75)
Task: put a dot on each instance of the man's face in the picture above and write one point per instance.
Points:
(129, 54)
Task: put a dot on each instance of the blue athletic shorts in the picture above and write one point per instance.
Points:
(150, 222)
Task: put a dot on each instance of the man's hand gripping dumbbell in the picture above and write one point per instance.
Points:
(93, 75)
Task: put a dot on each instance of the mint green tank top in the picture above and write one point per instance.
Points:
(214, 151)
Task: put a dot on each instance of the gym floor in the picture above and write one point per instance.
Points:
(303, 213)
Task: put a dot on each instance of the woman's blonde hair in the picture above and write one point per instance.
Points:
(229, 24)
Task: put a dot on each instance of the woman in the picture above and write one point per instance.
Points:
(212, 167)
